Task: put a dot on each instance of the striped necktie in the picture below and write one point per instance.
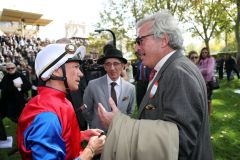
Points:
(113, 92)
(152, 74)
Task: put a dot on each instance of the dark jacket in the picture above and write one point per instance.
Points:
(13, 100)
(181, 98)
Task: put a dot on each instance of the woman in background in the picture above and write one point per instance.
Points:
(193, 56)
(206, 65)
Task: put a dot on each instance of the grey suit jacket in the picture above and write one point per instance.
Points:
(97, 92)
(181, 98)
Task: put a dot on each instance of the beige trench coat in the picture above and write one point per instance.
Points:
(130, 139)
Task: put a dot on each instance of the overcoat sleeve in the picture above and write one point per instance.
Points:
(131, 139)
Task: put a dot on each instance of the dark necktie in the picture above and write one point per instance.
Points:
(152, 74)
(113, 92)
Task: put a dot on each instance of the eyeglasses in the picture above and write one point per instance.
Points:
(194, 57)
(114, 64)
(69, 49)
(139, 40)
(10, 68)
(205, 52)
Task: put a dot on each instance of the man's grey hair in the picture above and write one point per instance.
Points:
(164, 23)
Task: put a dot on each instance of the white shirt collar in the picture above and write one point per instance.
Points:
(110, 81)
(162, 61)
(160, 64)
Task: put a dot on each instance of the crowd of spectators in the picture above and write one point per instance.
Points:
(17, 76)
(22, 52)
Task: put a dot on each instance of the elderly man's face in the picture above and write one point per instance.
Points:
(113, 67)
(148, 47)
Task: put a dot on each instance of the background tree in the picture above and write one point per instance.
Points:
(97, 41)
(234, 14)
(202, 18)
(115, 17)
(237, 31)
(121, 16)
(231, 11)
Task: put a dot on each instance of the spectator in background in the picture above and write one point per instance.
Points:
(141, 76)
(2, 71)
(31, 58)
(230, 65)
(1, 58)
(129, 71)
(193, 56)
(8, 59)
(33, 80)
(109, 85)
(77, 102)
(220, 67)
(3, 134)
(23, 69)
(206, 65)
(14, 87)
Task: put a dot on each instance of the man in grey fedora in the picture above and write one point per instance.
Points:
(99, 90)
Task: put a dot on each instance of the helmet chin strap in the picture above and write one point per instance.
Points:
(63, 78)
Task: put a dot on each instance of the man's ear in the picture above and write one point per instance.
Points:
(123, 66)
(164, 40)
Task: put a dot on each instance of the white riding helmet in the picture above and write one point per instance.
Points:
(54, 56)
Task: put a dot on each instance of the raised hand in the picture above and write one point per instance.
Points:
(106, 117)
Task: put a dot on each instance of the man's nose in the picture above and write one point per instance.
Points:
(137, 49)
(81, 74)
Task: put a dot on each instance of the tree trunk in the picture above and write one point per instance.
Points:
(206, 41)
(237, 28)
(226, 39)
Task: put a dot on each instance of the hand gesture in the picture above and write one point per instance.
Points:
(96, 144)
(106, 117)
(86, 135)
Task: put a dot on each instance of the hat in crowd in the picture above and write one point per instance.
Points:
(53, 56)
(112, 53)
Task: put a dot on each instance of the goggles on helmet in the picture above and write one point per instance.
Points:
(69, 49)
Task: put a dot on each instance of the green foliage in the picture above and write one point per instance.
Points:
(191, 47)
(225, 128)
(115, 18)
(97, 41)
(205, 19)
(10, 153)
(121, 16)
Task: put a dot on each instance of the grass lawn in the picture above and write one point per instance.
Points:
(11, 129)
(224, 123)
